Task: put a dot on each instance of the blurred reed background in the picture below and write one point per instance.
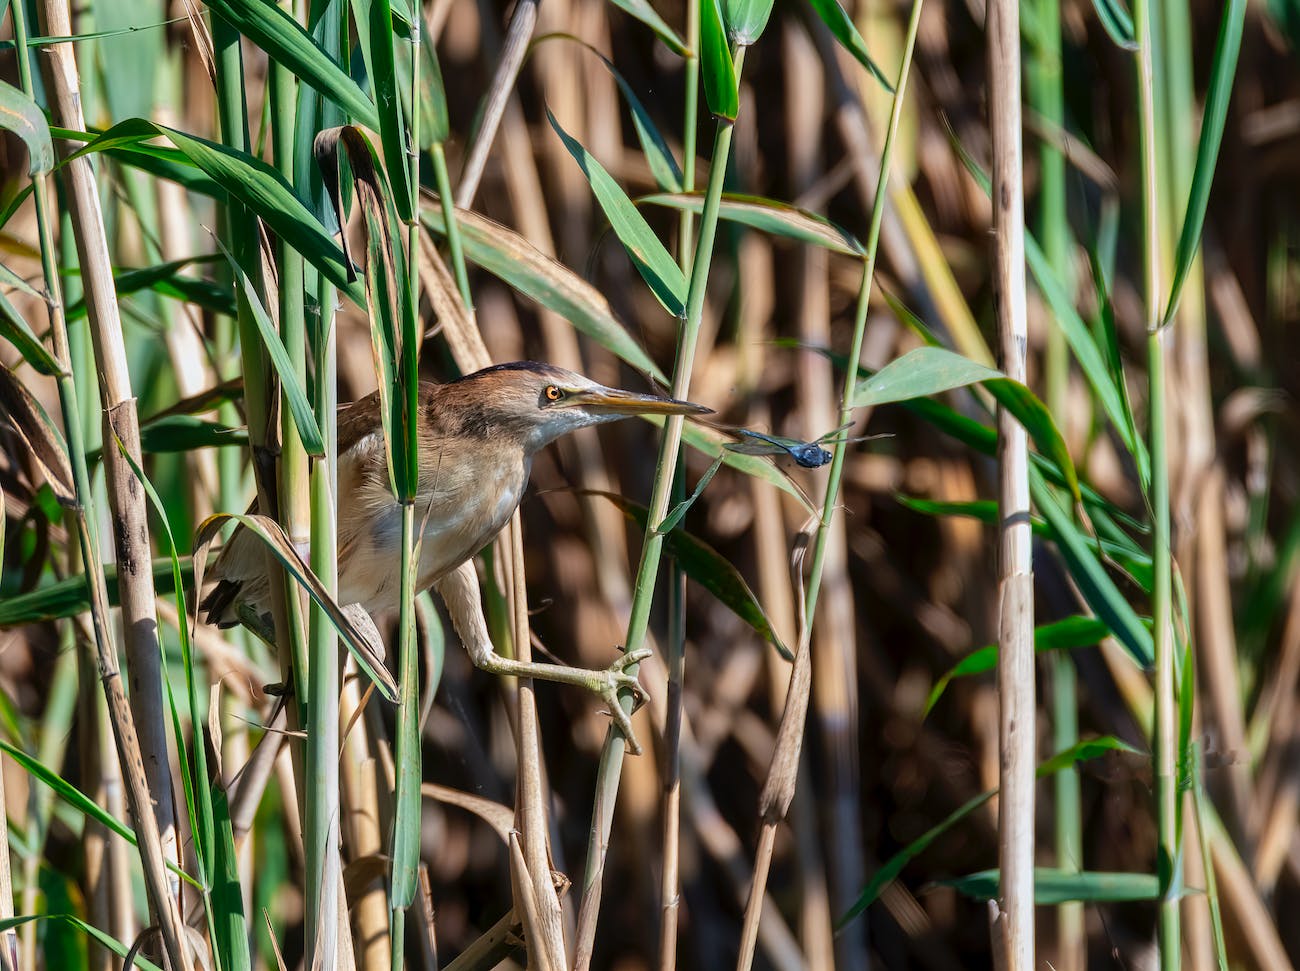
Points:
(884, 858)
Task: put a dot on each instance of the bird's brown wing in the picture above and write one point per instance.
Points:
(241, 588)
(358, 420)
(362, 417)
(240, 562)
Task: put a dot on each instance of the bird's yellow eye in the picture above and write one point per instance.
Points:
(553, 393)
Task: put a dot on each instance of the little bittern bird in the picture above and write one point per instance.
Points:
(477, 437)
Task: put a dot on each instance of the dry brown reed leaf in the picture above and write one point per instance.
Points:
(25, 416)
(203, 44)
(429, 941)
(491, 947)
(275, 945)
(535, 938)
(454, 322)
(778, 787)
(500, 818)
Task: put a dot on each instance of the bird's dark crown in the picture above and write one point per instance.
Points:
(542, 370)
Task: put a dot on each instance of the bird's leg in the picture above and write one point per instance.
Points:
(459, 590)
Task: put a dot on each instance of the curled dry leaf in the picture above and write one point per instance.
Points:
(26, 416)
(778, 788)
(501, 818)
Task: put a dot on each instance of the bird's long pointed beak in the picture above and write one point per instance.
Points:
(612, 401)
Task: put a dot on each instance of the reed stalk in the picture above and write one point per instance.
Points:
(513, 50)
(1165, 731)
(1017, 699)
(1045, 87)
(127, 501)
(611, 758)
(779, 786)
(670, 876)
(152, 854)
(407, 751)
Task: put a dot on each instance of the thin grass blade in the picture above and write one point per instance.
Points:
(254, 183)
(304, 418)
(374, 20)
(369, 655)
(642, 11)
(15, 330)
(71, 595)
(1086, 351)
(431, 106)
(167, 280)
(1091, 749)
(1088, 574)
(107, 940)
(658, 156)
(678, 512)
(232, 940)
(1117, 22)
(1072, 632)
(68, 793)
(1222, 73)
(842, 28)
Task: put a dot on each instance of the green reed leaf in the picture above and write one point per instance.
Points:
(283, 38)
(21, 115)
(508, 256)
(651, 258)
(930, 370)
(1064, 634)
(1053, 887)
(707, 567)
(769, 216)
(1117, 22)
(842, 28)
(642, 11)
(1222, 72)
(891, 868)
(719, 70)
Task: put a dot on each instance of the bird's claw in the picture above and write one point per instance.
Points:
(618, 681)
(629, 682)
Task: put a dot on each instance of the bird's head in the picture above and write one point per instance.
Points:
(541, 402)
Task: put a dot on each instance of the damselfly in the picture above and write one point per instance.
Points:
(810, 455)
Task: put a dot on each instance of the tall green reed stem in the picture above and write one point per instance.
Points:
(670, 879)
(1047, 95)
(779, 787)
(1165, 734)
(406, 826)
(611, 758)
(321, 809)
(241, 234)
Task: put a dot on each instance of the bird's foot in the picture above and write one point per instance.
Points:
(615, 680)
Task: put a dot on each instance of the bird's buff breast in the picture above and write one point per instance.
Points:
(457, 513)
